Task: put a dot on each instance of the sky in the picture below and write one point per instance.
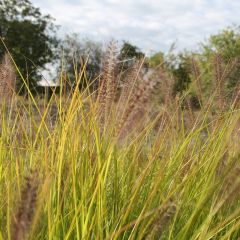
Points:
(152, 25)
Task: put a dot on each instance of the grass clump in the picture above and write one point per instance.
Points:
(113, 164)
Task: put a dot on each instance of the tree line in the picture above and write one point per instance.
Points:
(31, 38)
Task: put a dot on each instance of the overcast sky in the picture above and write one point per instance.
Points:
(150, 24)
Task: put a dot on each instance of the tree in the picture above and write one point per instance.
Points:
(29, 36)
(181, 71)
(128, 54)
(227, 44)
(155, 60)
(79, 53)
(179, 66)
(129, 51)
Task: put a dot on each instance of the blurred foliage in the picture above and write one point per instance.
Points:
(29, 36)
(129, 51)
(155, 60)
(78, 54)
(128, 54)
(180, 67)
(227, 44)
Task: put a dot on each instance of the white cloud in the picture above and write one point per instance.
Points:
(151, 24)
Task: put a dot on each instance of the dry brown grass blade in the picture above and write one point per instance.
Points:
(236, 96)
(191, 114)
(231, 66)
(22, 220)
(138, 102)
(130, 81)
(167, 83)
(197, 77)
(219, 81)
(108, 83)
(162, 221)
(7, 79)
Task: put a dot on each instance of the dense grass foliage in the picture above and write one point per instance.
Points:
(109, 165)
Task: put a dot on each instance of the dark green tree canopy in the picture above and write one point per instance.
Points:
(181, 69)
(29, 36)
(129, 53)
